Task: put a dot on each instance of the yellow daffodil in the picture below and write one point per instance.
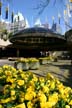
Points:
(1, 106)
(31, 88)
(12, 92)
(70, 103)
(5, 66)
(41, 79)
(30, 95)
(8, 73)
(67, 106)
(45, 89)
(13, 98)
(42, 97)
(20, 106)
(29, 104)
(13, 69)
(21, 100)
(53, 99)
(52, 85)
(11, 80)
(20, 82)
(5, 100)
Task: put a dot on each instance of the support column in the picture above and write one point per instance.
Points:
(18, 52)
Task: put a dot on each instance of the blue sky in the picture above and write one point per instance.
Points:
(26, 7)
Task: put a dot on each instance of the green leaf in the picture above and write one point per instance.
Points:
(9, 105)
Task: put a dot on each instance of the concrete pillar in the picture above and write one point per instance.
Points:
(18, 52)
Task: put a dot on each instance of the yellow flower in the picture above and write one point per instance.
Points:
(5, 91)
(70, 103)
(67, 106)
(11, 80)
(22, 75)
(50, 76)
(8, 73)
(42, 105)
(49, 104)
(29, 104)
(45, 89)
(45, 105)
(52, 85)
(13, 97)
(13, 69)
(5, 66)
(12, 92)
(22, 60)
(53, 99)
(30, 89)
(42, 97)
(1, 106)
(41, 79)
(35, 78)
(30, 95)
(20, 106)
(1, 70)
(5, 100)
(32, 83)
(21, 99)
(13, 85)
(67, 90)
(20, 82)
(33, 60)
(22, 94)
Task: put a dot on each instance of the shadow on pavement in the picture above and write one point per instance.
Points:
(67, 77)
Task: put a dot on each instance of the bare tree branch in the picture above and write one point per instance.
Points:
(44, 3)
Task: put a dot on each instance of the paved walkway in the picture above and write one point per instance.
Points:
(61, 69)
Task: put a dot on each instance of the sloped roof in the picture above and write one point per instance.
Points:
(4, 43)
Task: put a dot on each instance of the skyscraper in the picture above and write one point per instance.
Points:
(56, 28)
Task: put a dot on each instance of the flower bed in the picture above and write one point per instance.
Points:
(19, 89)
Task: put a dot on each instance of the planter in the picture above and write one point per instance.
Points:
(22, 65)
(43, 60)
(34, 65)
(48, 59)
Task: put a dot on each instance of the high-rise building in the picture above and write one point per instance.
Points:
(56, 28)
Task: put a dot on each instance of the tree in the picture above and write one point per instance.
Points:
(5, 35)
(44, 3)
